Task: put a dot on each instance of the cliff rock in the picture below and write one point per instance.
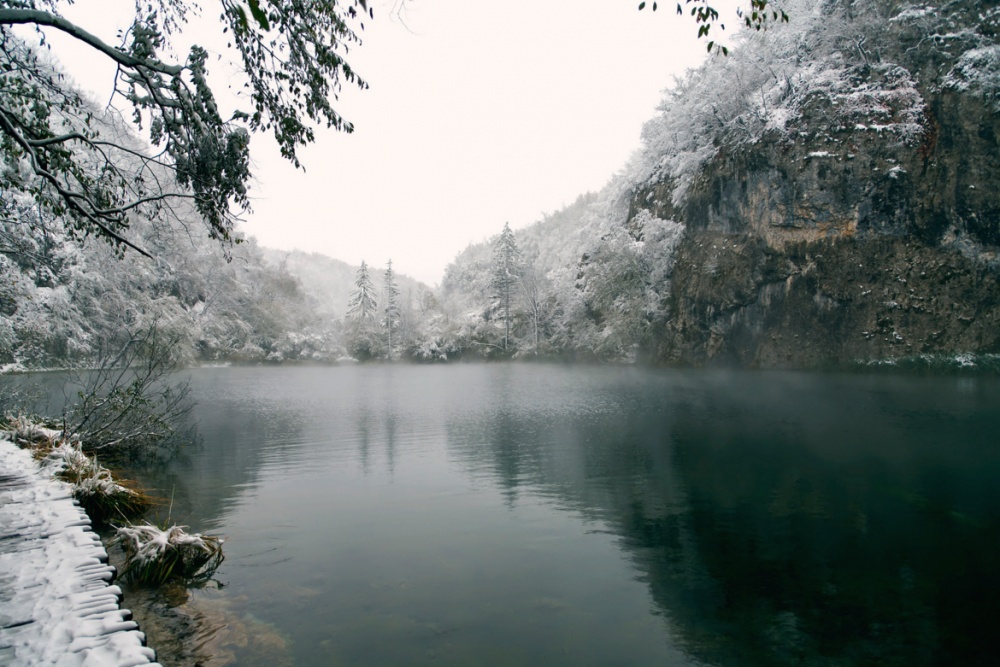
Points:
(853, 213)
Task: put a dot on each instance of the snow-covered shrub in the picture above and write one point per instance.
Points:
(31, 433)
(128, 403)
(978, 71)
(154, 555)
(103, 497)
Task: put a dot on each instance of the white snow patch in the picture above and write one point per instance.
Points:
(912, 13)
(965, 360)
(978, 70)
(59, 607)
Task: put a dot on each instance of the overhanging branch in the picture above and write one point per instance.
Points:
(71, 198)
(42, 18)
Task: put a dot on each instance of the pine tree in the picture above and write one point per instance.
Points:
(506, 272)
(391, 308)
(363, 304)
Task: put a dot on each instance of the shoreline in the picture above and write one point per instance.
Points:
(60, 603)
(952, 363)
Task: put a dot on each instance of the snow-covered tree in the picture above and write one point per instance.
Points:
(533, 294)
(624, 283)
(506, 273)
(362, 317)
(390, 308)
(82, 165)
(364, 303)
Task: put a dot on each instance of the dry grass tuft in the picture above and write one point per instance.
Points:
(101, 495)
(154, 555)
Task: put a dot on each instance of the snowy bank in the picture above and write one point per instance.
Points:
(58, 605)
(93, 486)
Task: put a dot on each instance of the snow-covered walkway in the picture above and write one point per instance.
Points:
(57, 606)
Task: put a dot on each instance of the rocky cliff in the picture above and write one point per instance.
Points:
(848, 208)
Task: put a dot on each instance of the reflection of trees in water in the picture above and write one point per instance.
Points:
(515, 452)
(855, 542)
(364, 426)
(390, 440)
(374, 413)
(783, 523)
(234, 439)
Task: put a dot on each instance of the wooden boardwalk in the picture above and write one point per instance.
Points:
(57, 603)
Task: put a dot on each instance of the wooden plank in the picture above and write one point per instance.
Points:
(58, 605)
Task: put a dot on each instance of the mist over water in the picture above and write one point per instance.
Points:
(526, 514)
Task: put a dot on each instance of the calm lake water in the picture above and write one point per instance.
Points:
(546, 515)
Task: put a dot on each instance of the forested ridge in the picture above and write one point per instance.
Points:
(823, 194)
(62, 301)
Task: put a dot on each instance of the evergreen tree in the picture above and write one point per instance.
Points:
(362, 335)
(506, 272)
(363, 304)
(391, 308)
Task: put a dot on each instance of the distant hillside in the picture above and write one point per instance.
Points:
(550, 246)
(824, 195)
(329, 282)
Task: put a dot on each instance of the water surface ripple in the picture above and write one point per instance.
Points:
(522, 514)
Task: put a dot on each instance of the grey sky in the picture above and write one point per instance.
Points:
(479, 113)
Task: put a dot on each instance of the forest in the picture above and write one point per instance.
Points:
(841, 130)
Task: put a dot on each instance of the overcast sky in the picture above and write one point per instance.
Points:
(478, 113)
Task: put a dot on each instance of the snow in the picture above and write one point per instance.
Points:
(59, 607)
(149, 543)
(978, 70)
(65, 455)
(912, 13)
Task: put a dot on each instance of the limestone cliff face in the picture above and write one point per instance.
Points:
(866, 227)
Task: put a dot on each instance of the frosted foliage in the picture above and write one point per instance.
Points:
(85, 474)
(60, 301)
(28, 433)
(148, 543)
(507, 262)
(885, 102)
(624, 284)
(824, 58)
(364, 301)
(391, 311)
(390, 292)
(660, 241)
(62, 297)
(978, 71)
(587, 256)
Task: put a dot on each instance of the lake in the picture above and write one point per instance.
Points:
(515, 514)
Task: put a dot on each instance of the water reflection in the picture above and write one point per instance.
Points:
(782, 518)
(854, 520)
(526, 514)
(209, 479)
